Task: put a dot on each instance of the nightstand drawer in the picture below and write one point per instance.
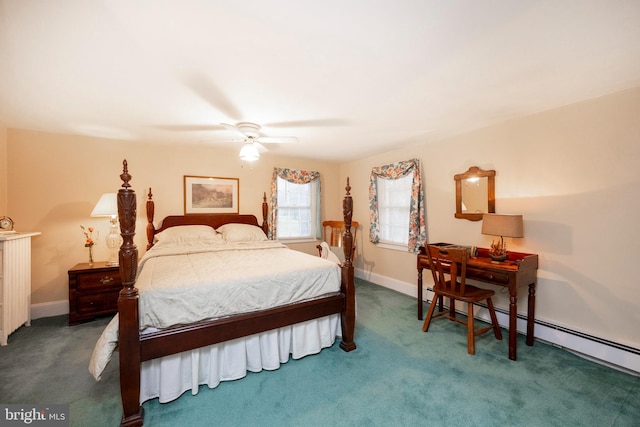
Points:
(91, 303)
(93, 291)
(94, 303)
(112, 300)
(98, 281)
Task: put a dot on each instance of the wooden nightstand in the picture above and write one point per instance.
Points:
(93, 291)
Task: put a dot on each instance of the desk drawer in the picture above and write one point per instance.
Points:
(487, 276)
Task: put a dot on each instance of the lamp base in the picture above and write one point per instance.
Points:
(114, 241)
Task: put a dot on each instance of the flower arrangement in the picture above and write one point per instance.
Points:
(89, 242)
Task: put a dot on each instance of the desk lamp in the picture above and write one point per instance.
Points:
(107, 206)
(503, 226)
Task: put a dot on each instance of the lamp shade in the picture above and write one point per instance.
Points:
(502, 225)
(106, 206)
(249, 152)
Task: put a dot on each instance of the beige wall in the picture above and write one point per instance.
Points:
(55, 181)
(573, 173)
(3, 172)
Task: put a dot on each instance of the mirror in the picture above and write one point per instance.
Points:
(475, 193)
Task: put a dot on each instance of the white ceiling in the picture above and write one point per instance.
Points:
(349, 78)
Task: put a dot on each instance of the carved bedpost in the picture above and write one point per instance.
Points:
(150, 213)
(265, 211)
(348, 285)
(129, 333)
(128, 255)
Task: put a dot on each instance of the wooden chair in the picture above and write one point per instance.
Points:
(454, 262)
(332, 234)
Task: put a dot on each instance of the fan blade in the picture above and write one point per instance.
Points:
(277, 139)
(234, 129)
(183, 128)
(307, 123)
(213, 95)
(225, 141)
(261, 148)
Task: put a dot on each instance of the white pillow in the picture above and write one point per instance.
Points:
(241, 233)
(186, 233)
(328, 253)
(104, 349)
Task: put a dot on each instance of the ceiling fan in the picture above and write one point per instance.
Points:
(249, 134)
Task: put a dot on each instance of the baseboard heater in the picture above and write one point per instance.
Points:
(603, 351)
(620, 361)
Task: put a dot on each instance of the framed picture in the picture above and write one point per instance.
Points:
(210, 194)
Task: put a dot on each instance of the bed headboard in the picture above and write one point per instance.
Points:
(212, 220)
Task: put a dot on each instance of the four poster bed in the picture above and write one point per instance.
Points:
(160, 333)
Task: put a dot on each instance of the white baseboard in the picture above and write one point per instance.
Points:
(613, 354)
(49, 309)
(599, 350)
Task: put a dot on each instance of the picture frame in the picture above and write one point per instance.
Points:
(211, 195)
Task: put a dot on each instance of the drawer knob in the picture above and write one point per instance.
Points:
(106, 280)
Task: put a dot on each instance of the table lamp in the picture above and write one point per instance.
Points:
(107, 206)
(504, 226)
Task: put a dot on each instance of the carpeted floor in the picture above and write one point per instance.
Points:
(398, 376)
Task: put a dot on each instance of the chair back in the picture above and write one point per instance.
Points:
(452, 261)
(332, 233)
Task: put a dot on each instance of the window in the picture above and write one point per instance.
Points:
(396, 205)
(295, 205)
(296, 210)
(394, 202)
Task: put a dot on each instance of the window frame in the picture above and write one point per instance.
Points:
(313, 211)
(384, 207)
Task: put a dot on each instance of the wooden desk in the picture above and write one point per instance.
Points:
(519, 269)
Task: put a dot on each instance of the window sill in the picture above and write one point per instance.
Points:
(299, 240)
(393, 246)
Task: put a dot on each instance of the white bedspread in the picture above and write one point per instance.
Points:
(186, 284)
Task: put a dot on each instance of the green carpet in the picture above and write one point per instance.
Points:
(398, 376)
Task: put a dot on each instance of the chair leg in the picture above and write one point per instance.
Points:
(494, 320)
(471, 332)
(452, 308)
(432, 306)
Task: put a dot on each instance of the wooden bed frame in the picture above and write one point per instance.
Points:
(135, 348)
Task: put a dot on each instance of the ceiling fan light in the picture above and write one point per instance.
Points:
(249, 152)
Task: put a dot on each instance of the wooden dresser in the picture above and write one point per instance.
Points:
(93, 291)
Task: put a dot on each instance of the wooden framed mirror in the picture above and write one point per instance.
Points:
(475, 193)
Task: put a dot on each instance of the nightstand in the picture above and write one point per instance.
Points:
(93, 291)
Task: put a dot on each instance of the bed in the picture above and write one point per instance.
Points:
(150, 333)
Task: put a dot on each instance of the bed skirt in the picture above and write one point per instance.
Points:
(169, 377)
